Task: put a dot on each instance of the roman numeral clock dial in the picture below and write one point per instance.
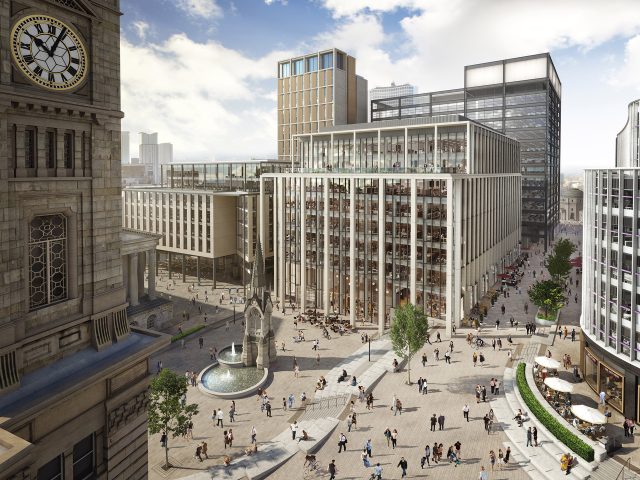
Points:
(49, 52)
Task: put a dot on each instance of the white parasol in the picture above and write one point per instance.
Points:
(588, 414)
(547, 362)
(554, 383)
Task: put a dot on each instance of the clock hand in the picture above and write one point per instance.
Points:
(63, 32)
(39, 43)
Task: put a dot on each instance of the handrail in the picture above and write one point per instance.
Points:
(626, 464)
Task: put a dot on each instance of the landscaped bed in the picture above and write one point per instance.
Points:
(556, 428)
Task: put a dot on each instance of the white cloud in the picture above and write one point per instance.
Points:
(207, 9)
(628, 74)
(271, 2)
(141, 28)
(208, 100)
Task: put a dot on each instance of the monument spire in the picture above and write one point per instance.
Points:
(258, 280)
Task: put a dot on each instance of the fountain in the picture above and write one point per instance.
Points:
(239, 371)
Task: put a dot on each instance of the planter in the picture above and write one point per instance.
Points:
(543, 322)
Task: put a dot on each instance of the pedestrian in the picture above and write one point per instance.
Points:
(493, 344)
(603, 397)
(458, 447)
(291, 400)
(451, 346)
(198, 454)
(394, 438)
(332, 470)
(377, 472)
(447, 357)
(296, 371)
(387, 435)
(230, 437)
(492, 459)
(254, 434)
(368, 447)
(204, 450)
(441, 422)
(365, 458)
(529, 438)
(484, 393)
(492, 385)
(294, 430)
(465, 412)
(201, 342)
(438, 339)
(342, 443)
(219, 418)
(268, 407)
(424, 359)
(507, 454)
(534, 432)
(573, 334)
(403, 466)
(481, 358)
(474, 357)
(349, 422)
(500, 458)
(163, 440)
(486, 420)
(232, 413)
(433, 421)
(483, 475)
(427, 454)
(497, 386)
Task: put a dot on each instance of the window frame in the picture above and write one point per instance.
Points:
(92, 452)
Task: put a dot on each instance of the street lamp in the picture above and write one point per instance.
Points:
(369, 338)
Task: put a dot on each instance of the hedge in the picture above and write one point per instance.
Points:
(556, 428)
(186, 333)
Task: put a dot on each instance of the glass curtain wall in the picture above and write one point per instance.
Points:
(366, 249)
(342, 152)
(338, 245)
(293, 229)
(392, 145)
(397, 241)
(366, 152)
(452, 145)
(431, 239)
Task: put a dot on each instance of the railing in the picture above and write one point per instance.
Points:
(328, 402)
(627, 465)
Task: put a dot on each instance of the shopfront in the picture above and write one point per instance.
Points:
(605, 373)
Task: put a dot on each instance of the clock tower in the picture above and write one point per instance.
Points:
(259, 343)
(73, 374)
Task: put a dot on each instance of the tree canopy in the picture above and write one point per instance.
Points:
(409, 332)
(167, 410)
(547, 295)
(558, 263)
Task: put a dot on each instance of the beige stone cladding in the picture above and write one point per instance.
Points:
(73, 375)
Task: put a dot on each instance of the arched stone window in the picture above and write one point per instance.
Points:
(47, 260)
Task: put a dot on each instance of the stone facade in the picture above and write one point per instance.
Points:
(63, 319)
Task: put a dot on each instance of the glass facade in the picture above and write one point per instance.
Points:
(528, 111)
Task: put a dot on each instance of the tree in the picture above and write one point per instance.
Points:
(167, 411)
(409, 332)
(547, 295)
(558, 263)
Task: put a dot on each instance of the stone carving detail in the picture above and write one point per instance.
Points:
(129, 410)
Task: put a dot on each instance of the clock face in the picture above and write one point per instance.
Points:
(49, 52)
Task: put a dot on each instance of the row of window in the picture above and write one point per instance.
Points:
(51, 139)
(310, 64)
(83, 463)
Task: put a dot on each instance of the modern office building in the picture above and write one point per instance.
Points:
(373, 215)
(404, 90)
(125, 155)
(628, 140)
(207, 218)
(73, 373)
(317, 90)
(571, 201)
(520, 97)
(153, 154)
(610, 321)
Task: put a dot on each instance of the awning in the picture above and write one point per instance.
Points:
(547, 362)
(554, 383)
(588, 414)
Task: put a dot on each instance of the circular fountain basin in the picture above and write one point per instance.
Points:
(227, 357)
(224, 381)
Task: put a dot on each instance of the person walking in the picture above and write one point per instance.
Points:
(427, 454)
(205, 449)
(387, 435)
(349, 422)
(394, 439)
(507, 454)
(529, 438)
(433, 421)
(268, 408)
(254, 434)
(365, 458)
(424, 359)
(342, 443)
(441, 422)
(403, 465)
(219, 418)
(534, 432)
(377, 472)
(492, 459)
(483, 475)
(475, 358)
(332, 470)
(294, 430)
(368, 448)
(198, 454)
(292, 399)
(465, 412)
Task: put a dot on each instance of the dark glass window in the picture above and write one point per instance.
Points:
(50, 149)
(340, 61)
(52, 470)
(29, 148)
(326, 60)
(312, 64)
(68, 150)
(83, 461)
(298, 67)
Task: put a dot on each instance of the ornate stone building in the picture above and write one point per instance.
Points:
(259, 343)
(73, 374)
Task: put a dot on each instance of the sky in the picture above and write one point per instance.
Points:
(202, 73)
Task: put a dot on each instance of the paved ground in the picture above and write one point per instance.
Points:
(450, 387)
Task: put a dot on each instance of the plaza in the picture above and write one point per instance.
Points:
(450, 387)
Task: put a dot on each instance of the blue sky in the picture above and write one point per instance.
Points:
(202, 72)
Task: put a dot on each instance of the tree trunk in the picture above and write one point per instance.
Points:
(166, 454)
(409, 370)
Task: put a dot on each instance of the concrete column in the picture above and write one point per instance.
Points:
(325, 271)
(413, 268)
(151, 267)
(303, 245)
(280, 257)
(352, 253)
(382, 282)
(450, 258)
(184, 269)
(169, 263)
(198, 268)
(142, 263)
(133, 279)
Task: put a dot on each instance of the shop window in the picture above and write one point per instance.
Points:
(612, 383)
(591, 370)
